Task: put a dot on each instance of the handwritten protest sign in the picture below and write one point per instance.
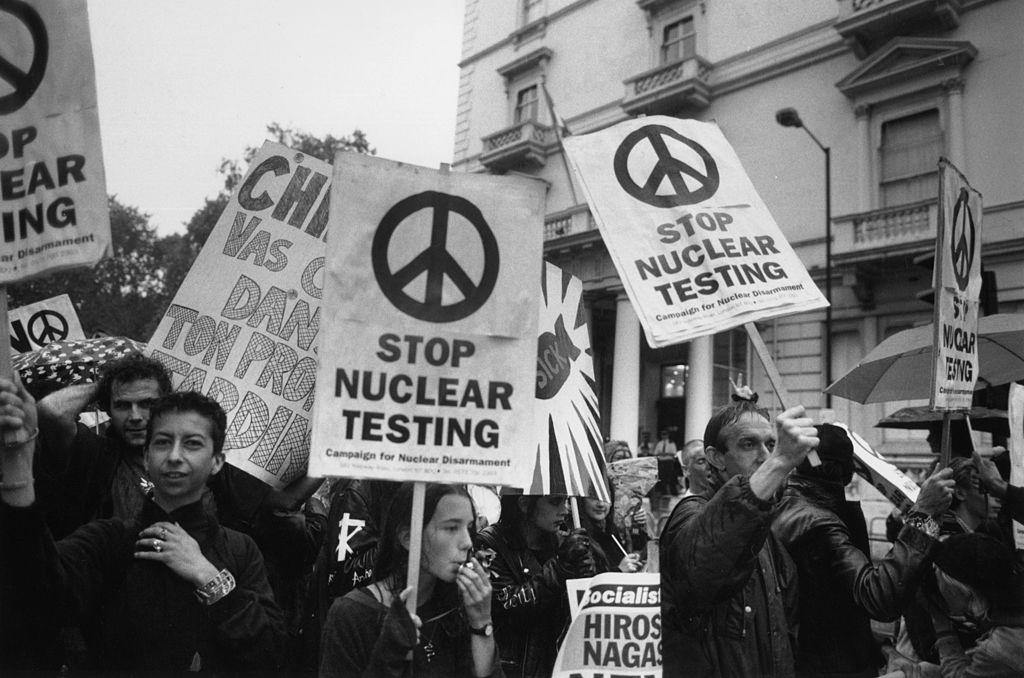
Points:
(694, 244)
(615, 627)
(566, 410)
(36, 325)
(430, 323)
(243, 327)
(957, 284)
(53, 196)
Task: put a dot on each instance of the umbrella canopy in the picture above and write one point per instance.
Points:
(982, 419)
(899, 368)
(75, 361)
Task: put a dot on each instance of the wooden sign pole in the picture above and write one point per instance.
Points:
(412, 574)
(774, 377)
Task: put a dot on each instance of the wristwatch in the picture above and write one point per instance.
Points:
(923, 522)
(487, 630)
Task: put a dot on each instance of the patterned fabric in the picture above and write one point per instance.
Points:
(72, 362)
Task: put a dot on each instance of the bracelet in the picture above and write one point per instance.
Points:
(215, 589)
(18, 443)
(15, 485)
(923, 523)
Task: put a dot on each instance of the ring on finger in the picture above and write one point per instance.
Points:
(163, 534)
(158, 545)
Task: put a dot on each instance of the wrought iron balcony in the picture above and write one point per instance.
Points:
(901, 229)
(522, 146)
(868, 24)
(669, 88)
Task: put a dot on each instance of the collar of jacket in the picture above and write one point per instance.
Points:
(194, 518)
(826, 493)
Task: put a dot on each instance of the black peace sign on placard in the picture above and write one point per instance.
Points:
(962, 240)
(666, 167)
(47, 326)
(25, 82)
(435, 261)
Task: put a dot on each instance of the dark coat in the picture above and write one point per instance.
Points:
(840, 589)
(530, 607)
(137, 614)
(728, 601)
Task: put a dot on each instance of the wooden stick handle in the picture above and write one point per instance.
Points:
(412, 574)
(774, 377)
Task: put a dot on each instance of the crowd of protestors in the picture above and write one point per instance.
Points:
(141, 549)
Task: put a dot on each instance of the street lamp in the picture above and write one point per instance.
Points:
(788, 117)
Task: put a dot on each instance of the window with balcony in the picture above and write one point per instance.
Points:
(526, 105)
(532, 10)
(679, 41)
(908, 156)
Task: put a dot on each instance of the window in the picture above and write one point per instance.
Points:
(730, 360)
(526, 104)
(909, 155)
(679, 41)
(532, 10)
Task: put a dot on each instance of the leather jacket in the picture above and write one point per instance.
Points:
(840, 589)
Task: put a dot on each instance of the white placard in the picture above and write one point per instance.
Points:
(36, 325)
(692, 240)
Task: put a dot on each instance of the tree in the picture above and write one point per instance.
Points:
(117, 295)
(202, 222)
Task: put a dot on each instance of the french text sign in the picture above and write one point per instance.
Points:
(957, 284)
(430, 311)
(53, 195)
(693, 242)
(243, 328)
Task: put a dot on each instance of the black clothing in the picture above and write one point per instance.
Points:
(728, 604)
(840, 589)
(138, 614)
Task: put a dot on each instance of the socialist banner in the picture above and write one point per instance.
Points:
(53, 195)
(244, 325)
(429, 356)
(615, 627)
(693, 242)
(957, 283)
(36, 325)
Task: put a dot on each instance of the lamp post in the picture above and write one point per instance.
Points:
(788, 117)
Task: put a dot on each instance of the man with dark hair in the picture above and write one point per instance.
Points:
(840, 589)
(728, 587)
(169, 590)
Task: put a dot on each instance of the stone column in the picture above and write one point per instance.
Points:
(699, 403)
(865, 173)
(626, 374)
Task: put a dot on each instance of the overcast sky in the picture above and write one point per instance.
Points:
(185, 83)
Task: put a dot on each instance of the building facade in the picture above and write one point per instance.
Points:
(889, 86)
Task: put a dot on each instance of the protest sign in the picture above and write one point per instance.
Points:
(893, 483)
(36, 325)
(693, 242)
(1015, 415)
(957, 284)
(244, 325)
(53, 196)
(570, 448)
(615, 627)
(428, 366)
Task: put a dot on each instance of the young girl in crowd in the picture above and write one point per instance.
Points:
(369, 632)
(605, 539)
(530, 566)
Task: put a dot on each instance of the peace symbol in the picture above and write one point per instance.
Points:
(962, 240)
(435, 261)
(666, 167)
(24, 82)
(46, 326)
